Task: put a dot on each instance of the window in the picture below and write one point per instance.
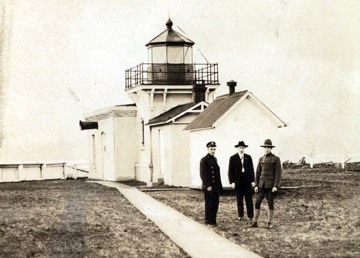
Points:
(175, 55)
(142, 132)
(93, 151)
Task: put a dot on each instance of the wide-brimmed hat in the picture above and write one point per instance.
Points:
(267, 143)
(211, 144)
(241, 144)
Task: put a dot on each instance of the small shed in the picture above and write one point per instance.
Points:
(170, 144)
(111, 143)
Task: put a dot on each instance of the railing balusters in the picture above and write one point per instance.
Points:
(148, 73)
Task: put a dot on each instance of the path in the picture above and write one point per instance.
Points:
(194, 238)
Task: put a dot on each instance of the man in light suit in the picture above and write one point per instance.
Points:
(267, 182)
(241, 178)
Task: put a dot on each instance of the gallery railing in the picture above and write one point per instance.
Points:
(171, 74)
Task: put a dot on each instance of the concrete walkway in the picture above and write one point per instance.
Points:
(194, 238)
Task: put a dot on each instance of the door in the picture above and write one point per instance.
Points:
(103, 155)
(162, 152)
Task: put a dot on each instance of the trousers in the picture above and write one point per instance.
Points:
(244, 191)
(265, 193)
(211, 206)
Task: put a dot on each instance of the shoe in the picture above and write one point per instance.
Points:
(213, 224)
(269, 226)
(253, 225)
(240, 218)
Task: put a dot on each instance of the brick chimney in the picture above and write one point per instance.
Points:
(232, 85)
(199, 91)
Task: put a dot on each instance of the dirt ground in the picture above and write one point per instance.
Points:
(74, 218)
(316, 215)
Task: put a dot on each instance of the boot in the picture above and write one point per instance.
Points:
(270, 218)
(254, 222)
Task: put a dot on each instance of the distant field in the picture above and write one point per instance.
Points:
(73, 218)
(317, 215)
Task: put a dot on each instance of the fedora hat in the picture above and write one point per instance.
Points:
(241, 144)
(267, 143)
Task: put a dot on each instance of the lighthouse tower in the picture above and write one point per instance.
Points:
(169, 79)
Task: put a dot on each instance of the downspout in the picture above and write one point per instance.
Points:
(151, 167)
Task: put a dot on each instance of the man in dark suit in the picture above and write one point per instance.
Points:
(241, 178)
(211, 183)
(267, 182)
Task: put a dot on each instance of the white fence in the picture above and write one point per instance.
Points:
(39, 171)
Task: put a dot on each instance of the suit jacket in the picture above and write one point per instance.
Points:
(268, 172)
(235, 170)
(210, 173)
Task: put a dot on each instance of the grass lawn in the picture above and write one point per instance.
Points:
(73, 218)
(319, 219)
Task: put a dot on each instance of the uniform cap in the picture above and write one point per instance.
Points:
(211, 144)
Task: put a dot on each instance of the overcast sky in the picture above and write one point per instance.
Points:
(61, 59)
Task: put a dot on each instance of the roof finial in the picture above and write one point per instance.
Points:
(169, 24)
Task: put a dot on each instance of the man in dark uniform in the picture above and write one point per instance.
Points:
(267, 182)
(211, 183)
(241, 178)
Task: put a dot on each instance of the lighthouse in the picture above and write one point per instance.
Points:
(169, 78)
(141, 140)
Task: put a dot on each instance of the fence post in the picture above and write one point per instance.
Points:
(43, 170)
(20, 171)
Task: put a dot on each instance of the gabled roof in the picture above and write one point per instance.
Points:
(174, 113)
(170, 37)
(125, 110)
(224, 104)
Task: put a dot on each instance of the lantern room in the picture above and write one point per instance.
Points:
(170, 47)
(170, 62)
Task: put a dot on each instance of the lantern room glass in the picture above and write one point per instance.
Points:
(157, 54)
(175, 55)
(188, 56)
(170, 54)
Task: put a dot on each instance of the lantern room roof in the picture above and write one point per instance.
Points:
(170, 37)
